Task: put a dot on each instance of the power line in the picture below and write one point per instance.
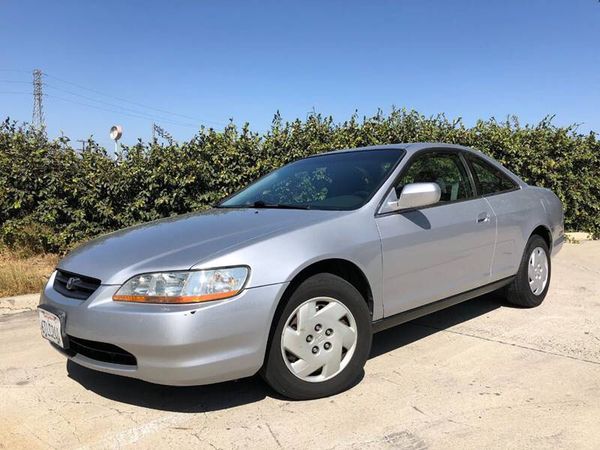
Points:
(38, 110)
(107, 109)
(15, 92)
(130, 101)
(15, 70)
(15, 81)
(118, 106)
(138, 114)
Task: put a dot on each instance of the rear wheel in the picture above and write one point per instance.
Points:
(530, 286)
(321, 340)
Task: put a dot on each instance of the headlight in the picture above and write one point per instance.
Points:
(183, 287)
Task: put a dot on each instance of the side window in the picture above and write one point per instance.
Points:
(445, 169)
(488, 179)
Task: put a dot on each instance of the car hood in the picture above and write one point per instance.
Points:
(180, 242)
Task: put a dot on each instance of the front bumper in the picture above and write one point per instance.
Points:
(174, 344)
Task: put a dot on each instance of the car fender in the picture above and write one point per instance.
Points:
(278, 259)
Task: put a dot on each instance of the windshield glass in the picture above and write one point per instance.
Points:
(341, 181)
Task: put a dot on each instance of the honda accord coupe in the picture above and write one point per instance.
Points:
(291, 276)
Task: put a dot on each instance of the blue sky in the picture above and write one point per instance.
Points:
(211, 61)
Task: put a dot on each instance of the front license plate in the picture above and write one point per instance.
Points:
(51, 327)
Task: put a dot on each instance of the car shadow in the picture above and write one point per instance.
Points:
(195, 399)
(190, 399)
(409, 332)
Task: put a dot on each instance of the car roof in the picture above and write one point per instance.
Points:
(409, 147)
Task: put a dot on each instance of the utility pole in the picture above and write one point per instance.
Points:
(83, 142)
(311, 113)
(38, 109)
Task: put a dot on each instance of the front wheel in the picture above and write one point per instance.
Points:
(530, 286)
(321, 340)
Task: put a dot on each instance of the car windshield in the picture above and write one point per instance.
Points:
(338, 181)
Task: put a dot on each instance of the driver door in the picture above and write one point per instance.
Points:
(440, 250)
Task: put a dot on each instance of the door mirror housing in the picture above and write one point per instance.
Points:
(413, 195)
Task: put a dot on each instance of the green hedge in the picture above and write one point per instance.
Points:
(52, 197)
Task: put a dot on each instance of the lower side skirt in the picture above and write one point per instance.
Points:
(407, 316)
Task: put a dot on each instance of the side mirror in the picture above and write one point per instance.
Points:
(413, 195)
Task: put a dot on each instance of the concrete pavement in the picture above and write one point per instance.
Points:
(19, 303)
(478, 375)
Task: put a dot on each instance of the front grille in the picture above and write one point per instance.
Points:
(100, 351)
(80, 287)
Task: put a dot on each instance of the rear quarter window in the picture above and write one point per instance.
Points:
(489, 179)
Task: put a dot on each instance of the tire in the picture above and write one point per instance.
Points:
(529, 289)
(324, 320)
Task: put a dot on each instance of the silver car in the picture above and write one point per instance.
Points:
(291, 276)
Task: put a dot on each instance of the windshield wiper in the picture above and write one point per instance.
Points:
(262, 204)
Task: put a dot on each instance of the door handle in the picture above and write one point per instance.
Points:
(483, 217)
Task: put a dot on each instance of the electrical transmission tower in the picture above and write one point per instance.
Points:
(161, 132)
(38, 110)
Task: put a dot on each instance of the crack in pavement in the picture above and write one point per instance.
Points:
(273, 435)
(512, 344)
(589, 269)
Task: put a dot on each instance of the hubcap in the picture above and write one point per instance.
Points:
(333, 339)
(537, 270)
